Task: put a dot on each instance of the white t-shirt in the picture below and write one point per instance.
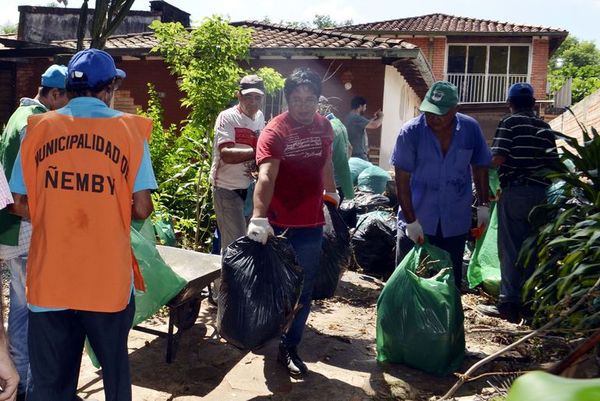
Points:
(235, 127)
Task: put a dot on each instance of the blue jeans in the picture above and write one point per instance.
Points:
(18, 321)
(307, 245)
(514, 207)
(56, 344)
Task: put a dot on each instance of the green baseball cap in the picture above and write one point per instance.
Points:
(440, 98)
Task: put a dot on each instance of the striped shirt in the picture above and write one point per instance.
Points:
(528, 144)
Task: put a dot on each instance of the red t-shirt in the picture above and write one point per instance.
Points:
(302, 151)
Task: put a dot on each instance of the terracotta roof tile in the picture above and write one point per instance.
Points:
(444, 23)
(268, 36)
(274, 35)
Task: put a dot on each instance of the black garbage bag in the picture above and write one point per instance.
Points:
(259, 291)
(374, 243)
(368, 201)
(349, 213)
(335, 253)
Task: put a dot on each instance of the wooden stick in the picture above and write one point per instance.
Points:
(464, 377)
(577, 353)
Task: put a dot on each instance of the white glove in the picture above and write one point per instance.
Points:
(483, 216)
(332, 197)
(259, 229)
(414, 231)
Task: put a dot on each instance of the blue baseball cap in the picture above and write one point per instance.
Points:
(90, 68)
(520, 89)
(55, 76)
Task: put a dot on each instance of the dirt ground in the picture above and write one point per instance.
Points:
(338, 346)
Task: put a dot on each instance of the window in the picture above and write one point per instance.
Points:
(482, 73)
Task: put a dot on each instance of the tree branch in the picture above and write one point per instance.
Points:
(466, 376)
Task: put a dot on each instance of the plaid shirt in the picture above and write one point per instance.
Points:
(5, 195)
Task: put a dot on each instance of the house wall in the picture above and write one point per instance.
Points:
(539, 66)
(133, 93)
(7, 94)
(434, 49)
(139, 74)
(400, 104)
(29, 76)
(366, 77)
(43, 24)
(587, 112)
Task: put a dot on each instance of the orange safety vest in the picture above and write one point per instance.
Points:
(79, 174)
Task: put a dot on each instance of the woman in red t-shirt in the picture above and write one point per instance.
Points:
(293, 155)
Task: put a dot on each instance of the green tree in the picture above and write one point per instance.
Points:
(8, 28)
(320, 21)
(206, 61)
(579, 60)
(108, 15)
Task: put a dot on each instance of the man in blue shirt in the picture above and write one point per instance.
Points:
(434, 156)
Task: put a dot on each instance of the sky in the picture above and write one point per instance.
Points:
(580, 17)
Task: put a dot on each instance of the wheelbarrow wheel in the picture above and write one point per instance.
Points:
(187, 313)
(213, 291)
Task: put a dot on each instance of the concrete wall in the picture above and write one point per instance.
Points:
(400, 104)
(587, 112)
(44, 24)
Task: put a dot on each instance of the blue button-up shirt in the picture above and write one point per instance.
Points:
(441, 185)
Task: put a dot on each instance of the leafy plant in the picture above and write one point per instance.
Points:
(579, 60)
(206, 61)
(566, 247)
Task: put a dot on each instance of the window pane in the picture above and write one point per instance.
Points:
(456, 59)
(519, 59)
(498, 59)
(477, 55)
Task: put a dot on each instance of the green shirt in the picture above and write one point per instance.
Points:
(10, 142)
(341, 169)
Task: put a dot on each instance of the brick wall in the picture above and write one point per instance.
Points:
(366, 77)
(539, 67)
(29, 76)
(437, 57)
(139, 74)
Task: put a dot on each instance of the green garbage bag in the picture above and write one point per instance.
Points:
(420, 320)
(544, 386)
(357, 165)
(163, 227)
(373, 179)
(145, 228)
(161, 282)
(484, 266)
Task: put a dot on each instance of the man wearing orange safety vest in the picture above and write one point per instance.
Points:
(82, 173)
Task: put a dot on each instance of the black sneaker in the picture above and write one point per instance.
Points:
(288, 356)
(506, 311)
(510, 311)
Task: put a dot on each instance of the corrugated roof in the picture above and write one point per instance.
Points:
(444, 23)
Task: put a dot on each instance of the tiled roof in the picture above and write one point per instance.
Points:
(145, 40)
(269, 40)
(444, 23)
(268, 36)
